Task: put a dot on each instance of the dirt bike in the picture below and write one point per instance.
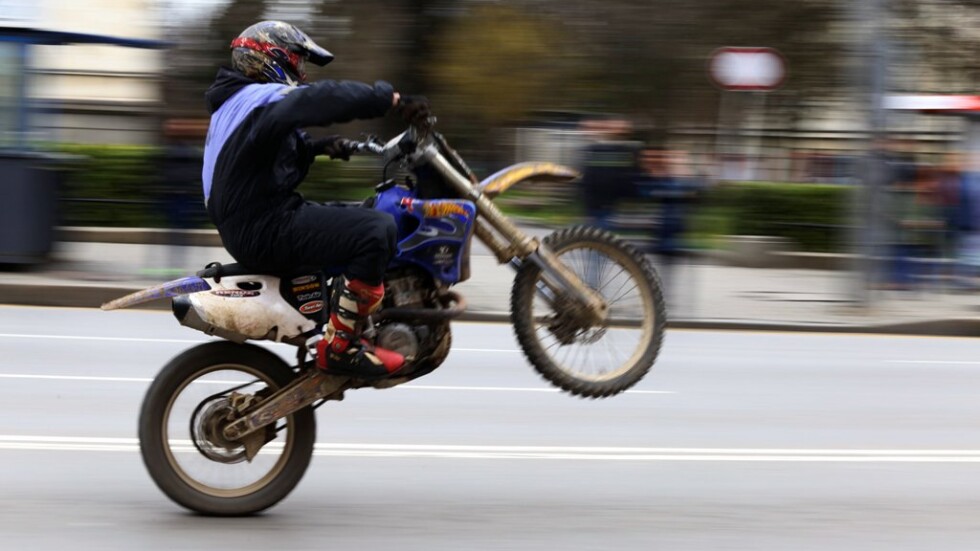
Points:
(228, 428)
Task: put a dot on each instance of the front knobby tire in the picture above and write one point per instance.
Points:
(602, 368)
(164, 454)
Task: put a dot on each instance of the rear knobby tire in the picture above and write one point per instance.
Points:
(159, 457)
(651, 325)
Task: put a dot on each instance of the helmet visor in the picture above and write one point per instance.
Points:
(316, 54)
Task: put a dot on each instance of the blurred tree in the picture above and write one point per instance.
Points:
(372, 39)
(486, 64)
(654, 54)
(495, 64)
(201, 46)
(934, 43)
(632, 56)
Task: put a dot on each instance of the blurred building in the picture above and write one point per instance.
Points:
(84, 93)
(555, 137)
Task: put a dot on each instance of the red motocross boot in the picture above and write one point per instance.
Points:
(341, 352)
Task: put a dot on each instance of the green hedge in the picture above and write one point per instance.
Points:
(109, 186)
(119, 186)
(813, 216)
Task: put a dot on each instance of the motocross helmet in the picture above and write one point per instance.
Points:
(274, 51)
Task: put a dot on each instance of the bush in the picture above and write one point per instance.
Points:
(120, 186)
(813, 216)
(109, 186)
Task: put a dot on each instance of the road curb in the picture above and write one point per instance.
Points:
(67, 295)
(935, 328)
(94, 295)
(138, 236)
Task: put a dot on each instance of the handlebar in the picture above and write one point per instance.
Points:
(401, 146)
(372, 147)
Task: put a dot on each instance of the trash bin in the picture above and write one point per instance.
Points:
(29, 183)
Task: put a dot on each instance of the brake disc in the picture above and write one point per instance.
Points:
(208, 430)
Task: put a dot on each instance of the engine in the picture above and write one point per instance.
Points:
(401, 338)
(410, 288)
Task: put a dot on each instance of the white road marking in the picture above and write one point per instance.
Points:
(104, 379)
(591, 453)
(512, 389)
(76, 378)
(87, 338)
(942, 362)
(190, 341)
(409, 386)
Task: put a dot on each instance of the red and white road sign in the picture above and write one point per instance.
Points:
(758, 69)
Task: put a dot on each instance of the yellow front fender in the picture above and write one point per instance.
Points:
(503, 180)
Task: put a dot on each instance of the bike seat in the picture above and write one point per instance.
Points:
(217, 270)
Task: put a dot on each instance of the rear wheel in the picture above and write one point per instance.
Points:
(180, 431)
(584, 358)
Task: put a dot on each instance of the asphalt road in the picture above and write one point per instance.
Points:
(734, 441)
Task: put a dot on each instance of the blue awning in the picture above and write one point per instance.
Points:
(27, 35)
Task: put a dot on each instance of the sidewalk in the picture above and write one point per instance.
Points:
(700, 295)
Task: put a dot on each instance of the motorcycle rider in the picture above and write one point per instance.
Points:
(256, 154)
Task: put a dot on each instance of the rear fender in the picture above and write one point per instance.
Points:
(507, 178)
(175, 288)
(249, 307)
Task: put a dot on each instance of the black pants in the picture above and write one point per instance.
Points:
(313, 237)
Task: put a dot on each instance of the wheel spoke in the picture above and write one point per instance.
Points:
(573, 352)
(622, 269)
(621, 295)
(602, 273)
(604, 355)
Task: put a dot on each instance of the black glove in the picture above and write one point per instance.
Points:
(334, 146)
(414, 110)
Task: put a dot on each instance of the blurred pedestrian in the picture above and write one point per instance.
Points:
(609, 169)
(968, 225)
(668, 179)
(180, 164)
(932, 224)
(954, 206)
(916, 222)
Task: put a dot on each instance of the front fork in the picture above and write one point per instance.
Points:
(557, 280)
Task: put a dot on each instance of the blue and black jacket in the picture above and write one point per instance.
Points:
(256, 153)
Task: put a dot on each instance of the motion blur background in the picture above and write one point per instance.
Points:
(857, 170)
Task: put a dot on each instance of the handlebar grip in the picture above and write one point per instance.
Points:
(367, 146)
